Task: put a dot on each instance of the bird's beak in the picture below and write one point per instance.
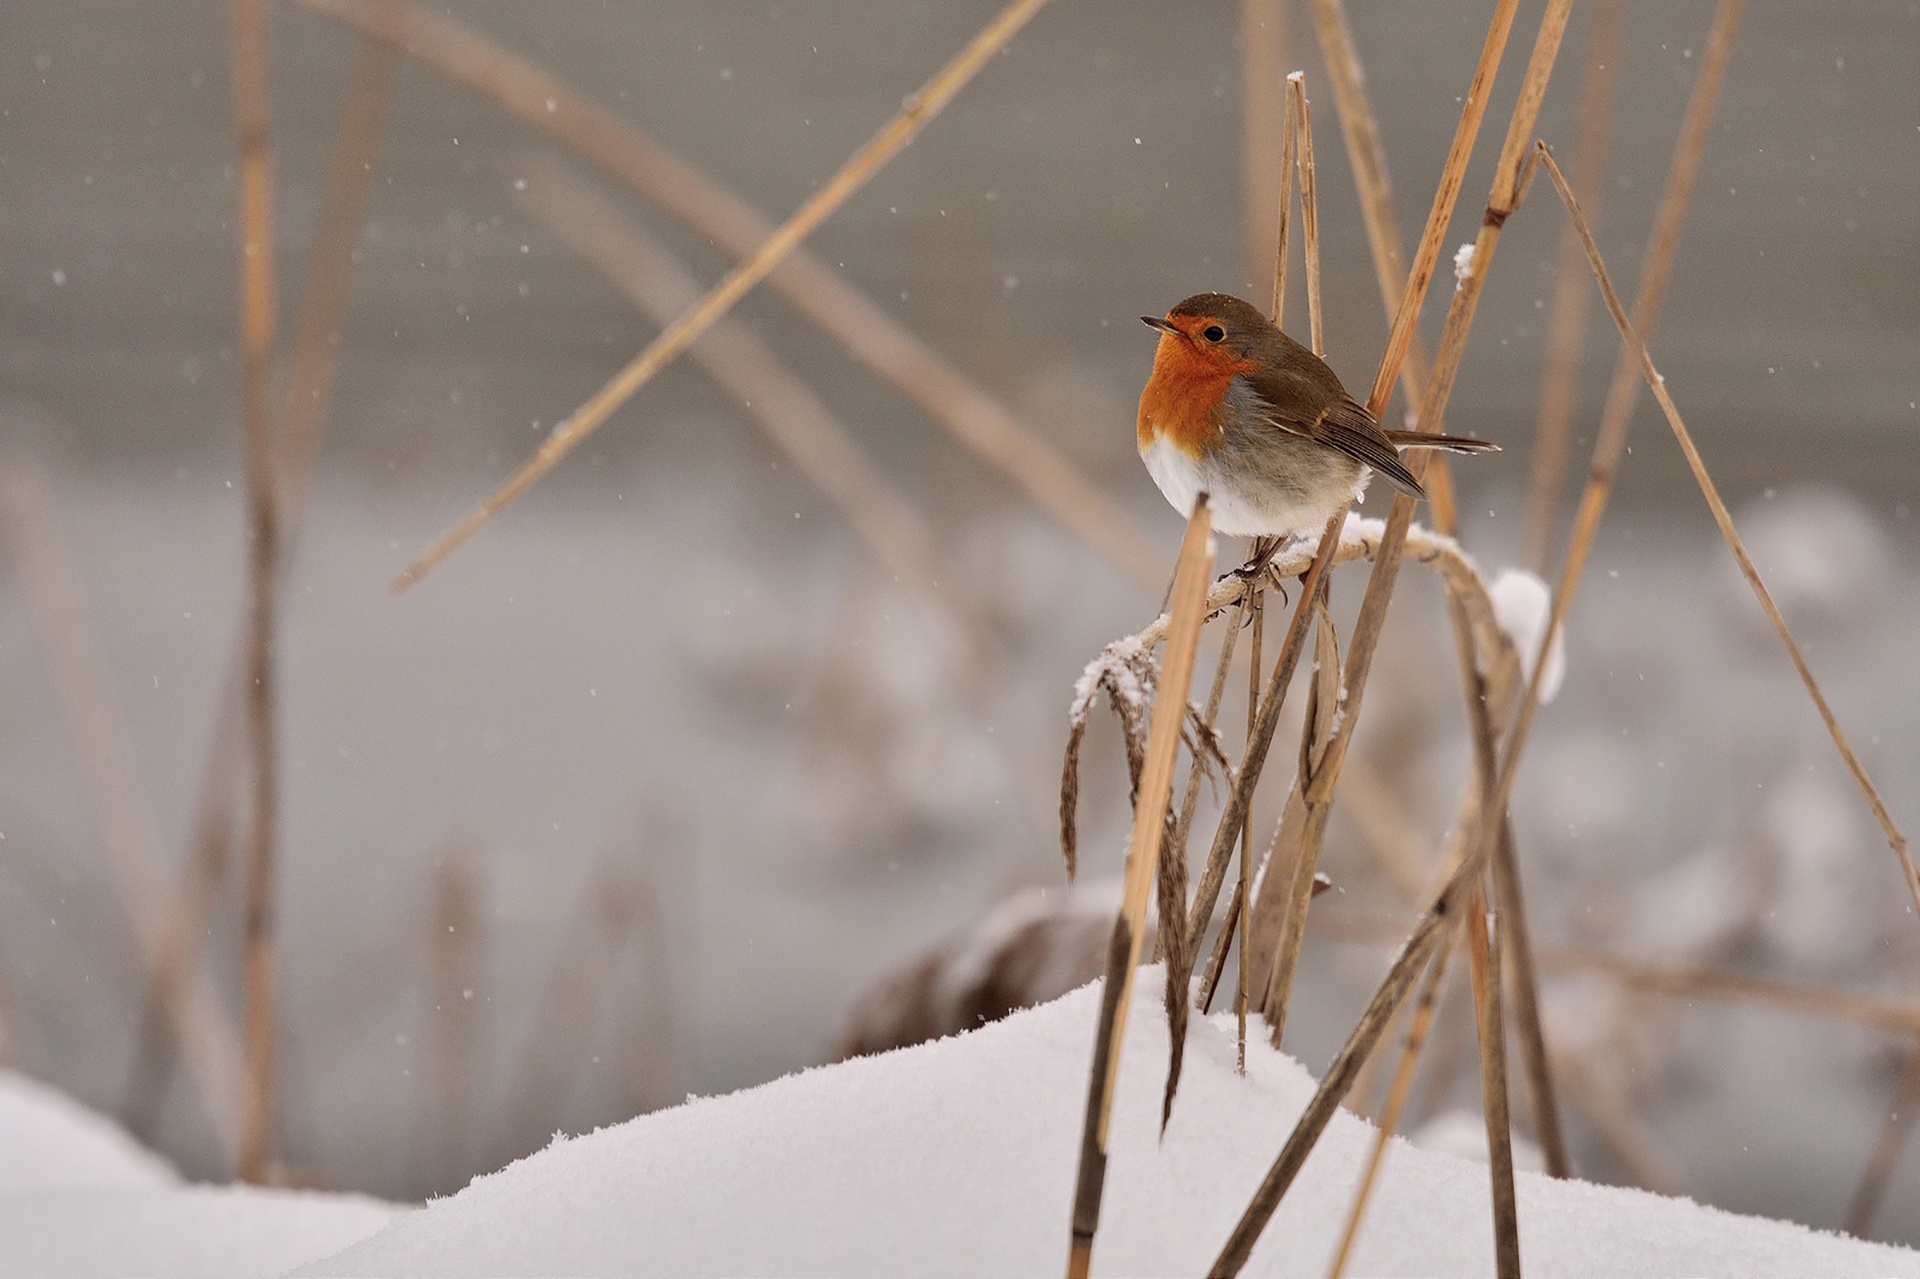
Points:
(1162, 325)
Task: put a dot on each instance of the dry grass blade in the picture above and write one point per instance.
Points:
(1263, 59)
(918, 111)
(115, 792)
(1390, 1113)
(1895, 840)
(1483, 950)
(1188, 604)
(1567, 314)
(1309, 208)
(257, 321)
(1886, 1150)
(793, 417)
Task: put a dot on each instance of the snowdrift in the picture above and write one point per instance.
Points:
(957, 1158)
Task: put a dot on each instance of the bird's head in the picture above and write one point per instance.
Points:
(1215, 328)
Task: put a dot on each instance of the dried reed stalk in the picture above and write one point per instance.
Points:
(1309, 208)
(1364, 141)
(1385, 826)
(1483, 953)
(116, 793)
(1359, 540)
(1490, 695)
(1681, 982)
(1896, 841)
(1624, 1133)
(1240, 799)
(456, 951)
(1243, 890)
(1396, 1103)
(1325, 684)
(1507, 191)
(1197, 772)
(1536, 1055)
(1289, 165)
(1294, 858)
(310, 372)
(1900, 1016)
(314, 353)
(1610, 441)
(972, 416)
(794, 419)
(258, 308)
(571, 1005)
(1432, 931)
(1263, 60)
(1567, 315)
(1188, 614)
(918, 111)
(1886, 1149)
(1663, 242)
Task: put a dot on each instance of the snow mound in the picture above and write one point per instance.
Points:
(957, 1157)
(79, 1197)
(194, 1232)
(49, 1141)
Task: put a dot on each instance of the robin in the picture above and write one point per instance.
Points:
(1237, 409)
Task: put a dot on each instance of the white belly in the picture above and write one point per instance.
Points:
(1181, 478)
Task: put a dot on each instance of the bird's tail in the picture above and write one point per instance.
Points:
(1451, 443)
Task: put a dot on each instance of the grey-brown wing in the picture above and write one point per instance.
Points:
(1349, 429)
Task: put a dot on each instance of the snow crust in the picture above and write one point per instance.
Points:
(79, 1197)
(956, 1157)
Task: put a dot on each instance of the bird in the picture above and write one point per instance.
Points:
(1240, 411)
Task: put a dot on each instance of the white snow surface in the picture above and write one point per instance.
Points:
(957, 1157)
(49, 1141)
(80, 1198)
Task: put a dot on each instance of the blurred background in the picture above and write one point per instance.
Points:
(633, 796)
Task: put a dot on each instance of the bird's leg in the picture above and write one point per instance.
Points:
(1259, 556)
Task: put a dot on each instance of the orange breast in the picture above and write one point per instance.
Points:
(1182, 400)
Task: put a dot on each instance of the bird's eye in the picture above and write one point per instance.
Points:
(1214, 333)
